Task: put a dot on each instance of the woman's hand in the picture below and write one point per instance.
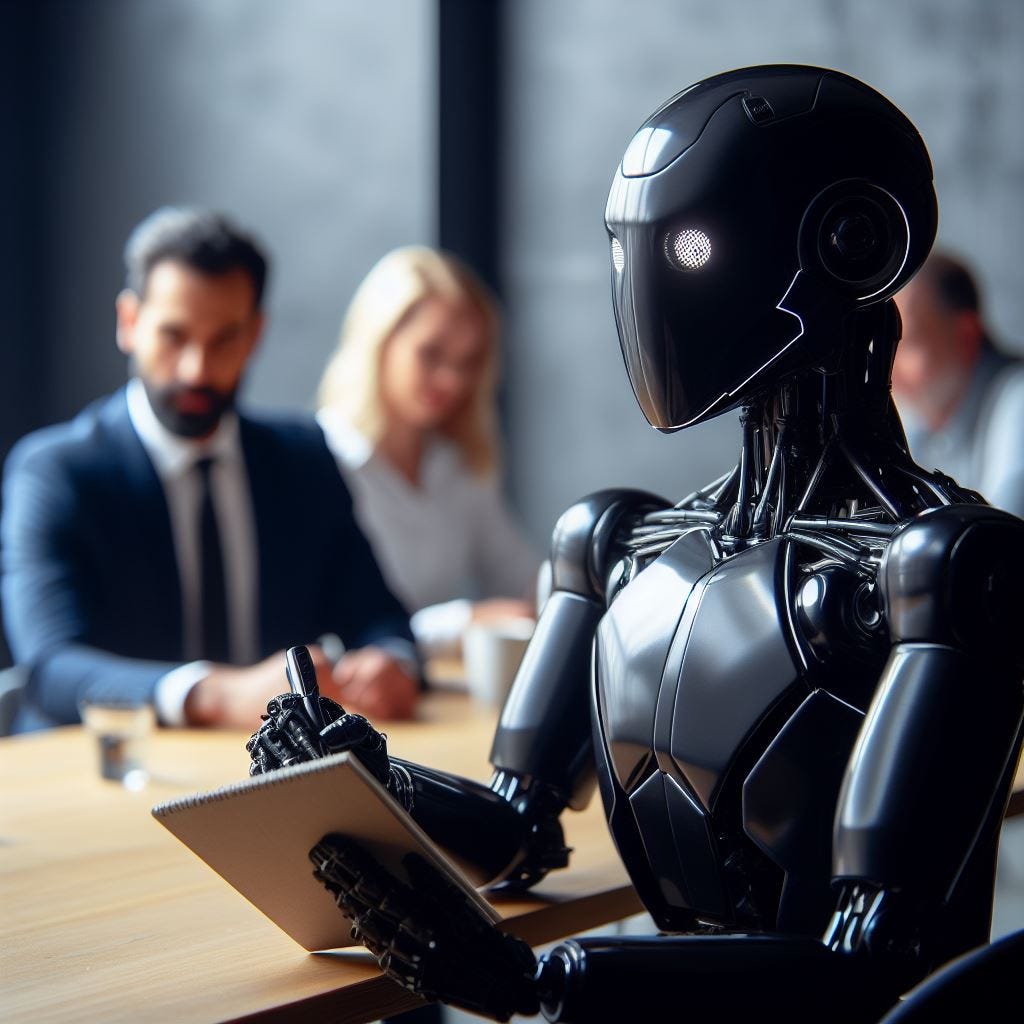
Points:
(496, 609)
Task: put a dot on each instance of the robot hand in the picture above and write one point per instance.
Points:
(289, 736)
(426, 935)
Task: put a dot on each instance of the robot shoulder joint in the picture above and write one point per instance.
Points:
(585, 534)
(955, 576)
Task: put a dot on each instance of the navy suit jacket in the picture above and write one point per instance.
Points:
(91, 595)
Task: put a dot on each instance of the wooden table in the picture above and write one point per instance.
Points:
(106, 917)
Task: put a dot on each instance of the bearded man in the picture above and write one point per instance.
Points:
(164, 548)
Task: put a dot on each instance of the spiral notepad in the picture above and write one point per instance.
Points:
(257, 834)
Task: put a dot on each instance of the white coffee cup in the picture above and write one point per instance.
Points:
(491, 653)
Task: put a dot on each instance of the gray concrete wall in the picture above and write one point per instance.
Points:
(583, 76)
(312, 123)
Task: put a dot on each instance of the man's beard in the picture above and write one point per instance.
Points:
(165, 402)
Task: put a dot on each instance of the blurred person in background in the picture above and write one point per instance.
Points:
(163, 548)
(961, 399)
(407, 403)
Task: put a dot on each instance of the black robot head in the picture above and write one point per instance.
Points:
(742, 209)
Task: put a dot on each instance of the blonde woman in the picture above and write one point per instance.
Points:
(407, 403)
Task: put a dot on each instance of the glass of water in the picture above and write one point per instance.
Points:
(122, 732)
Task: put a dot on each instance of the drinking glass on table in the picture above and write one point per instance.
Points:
(122, 730)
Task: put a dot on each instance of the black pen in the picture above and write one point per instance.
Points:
(302, 680)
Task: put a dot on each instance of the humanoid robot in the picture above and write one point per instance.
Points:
(799, 688)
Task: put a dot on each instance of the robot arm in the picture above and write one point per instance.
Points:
(925, 791)
(543, 748)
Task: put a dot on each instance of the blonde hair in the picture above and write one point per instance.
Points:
(388, 295)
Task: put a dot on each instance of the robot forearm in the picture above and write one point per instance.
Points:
(720, 977)
(482, 827)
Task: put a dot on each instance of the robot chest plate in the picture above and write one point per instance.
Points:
(691, 659)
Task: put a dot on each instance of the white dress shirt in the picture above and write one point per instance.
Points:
(982, 444)
(440, 545)
(174, 458)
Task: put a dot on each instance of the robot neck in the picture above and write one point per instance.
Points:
(828, 444)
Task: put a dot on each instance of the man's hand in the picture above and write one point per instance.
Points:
(234, 698)
(373, 683)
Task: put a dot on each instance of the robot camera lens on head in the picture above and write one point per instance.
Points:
(858, 233)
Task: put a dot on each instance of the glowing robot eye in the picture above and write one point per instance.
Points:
(618, 256)
(688, 249)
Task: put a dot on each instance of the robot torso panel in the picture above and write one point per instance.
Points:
(721, 805)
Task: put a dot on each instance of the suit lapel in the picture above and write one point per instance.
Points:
(144, 523)
(265, 486)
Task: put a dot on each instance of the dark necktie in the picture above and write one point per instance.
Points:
(213, 594)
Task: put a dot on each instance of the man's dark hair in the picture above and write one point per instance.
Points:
(200, 239)
(954, 285)
(955, 289)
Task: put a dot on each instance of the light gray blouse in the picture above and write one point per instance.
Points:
(441, 545)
